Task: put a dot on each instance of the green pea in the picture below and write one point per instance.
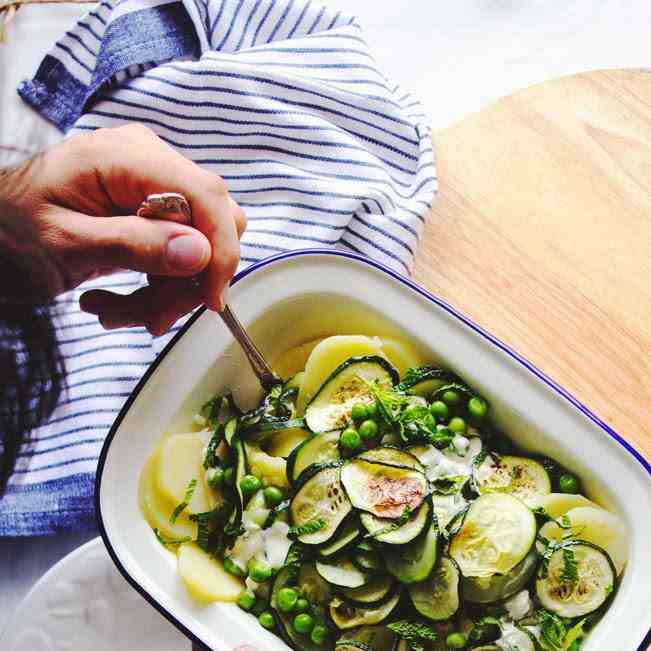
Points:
(439, 410)
(456, 641)
(229, 476)
(451, 398)
(233, 568)
(287, 598)
(216, 477)
(359, 411)
(302, 606)
(259, 571)
(568, 484)
(273, 496)
(368, 429)
(249, 484)
(266, 619)
(457, 425)
(371, 410)
(477, 407)
(303, 623)
(246, 600)
(350, 439)
(319, 634)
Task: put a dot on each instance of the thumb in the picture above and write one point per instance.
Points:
(149, 245)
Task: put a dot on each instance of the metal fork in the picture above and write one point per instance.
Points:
(175, 207)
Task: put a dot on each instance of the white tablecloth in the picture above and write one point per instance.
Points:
(458, 56)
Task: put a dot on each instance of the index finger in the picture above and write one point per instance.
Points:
(145, 166)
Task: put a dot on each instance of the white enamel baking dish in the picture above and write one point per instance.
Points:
(295, 297)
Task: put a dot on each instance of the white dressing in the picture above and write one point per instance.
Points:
(270, 545)
(519, 605)
(449, 462)
(513, 639)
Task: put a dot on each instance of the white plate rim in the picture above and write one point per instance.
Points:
(563, 393)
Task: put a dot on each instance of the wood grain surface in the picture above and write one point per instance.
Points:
(541, 233)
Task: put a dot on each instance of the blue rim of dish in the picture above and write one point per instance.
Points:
(256, 266)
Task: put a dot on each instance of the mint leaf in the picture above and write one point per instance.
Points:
(309, 527)
(171, 541)
(570, 572)
(189, 492)
(415, 633)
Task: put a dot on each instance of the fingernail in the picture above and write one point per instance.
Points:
(185, 253)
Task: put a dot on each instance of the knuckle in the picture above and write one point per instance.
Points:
(217, 185)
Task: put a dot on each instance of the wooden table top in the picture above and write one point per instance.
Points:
(541, 233)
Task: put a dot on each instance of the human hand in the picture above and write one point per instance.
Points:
(81, 198)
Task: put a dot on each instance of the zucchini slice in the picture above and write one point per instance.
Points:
(437, 597)
(347, 385)
(366, 558)
(522, 477)
(384, 530)
(240, 471)
(288, 576)
(385, 491)
(497, 533)
(312, 585)
(346, 616)
(597, 526)
(256, 431)
(415, 561)
(281, 438)
(391, 456)
(319, 448)
(341, 572)
(367, 638)
(485, 590)
(320, 498)
(375, 593)
(349, 531)
(595, 580)
(425, 380)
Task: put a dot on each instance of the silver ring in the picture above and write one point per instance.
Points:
(166, 205)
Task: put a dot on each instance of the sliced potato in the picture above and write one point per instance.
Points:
(180, 460)
(557, 504)
(327, 356)
(598, 526)
(293, 360)
(205, 577)
(401, 354)
(272, 470)
(157, 510)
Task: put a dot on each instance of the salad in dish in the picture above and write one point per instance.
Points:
(369, 503)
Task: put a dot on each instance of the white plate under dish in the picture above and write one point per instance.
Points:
(298, 296)
(83, 603)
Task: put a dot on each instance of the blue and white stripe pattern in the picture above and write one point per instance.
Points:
(283, 99)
